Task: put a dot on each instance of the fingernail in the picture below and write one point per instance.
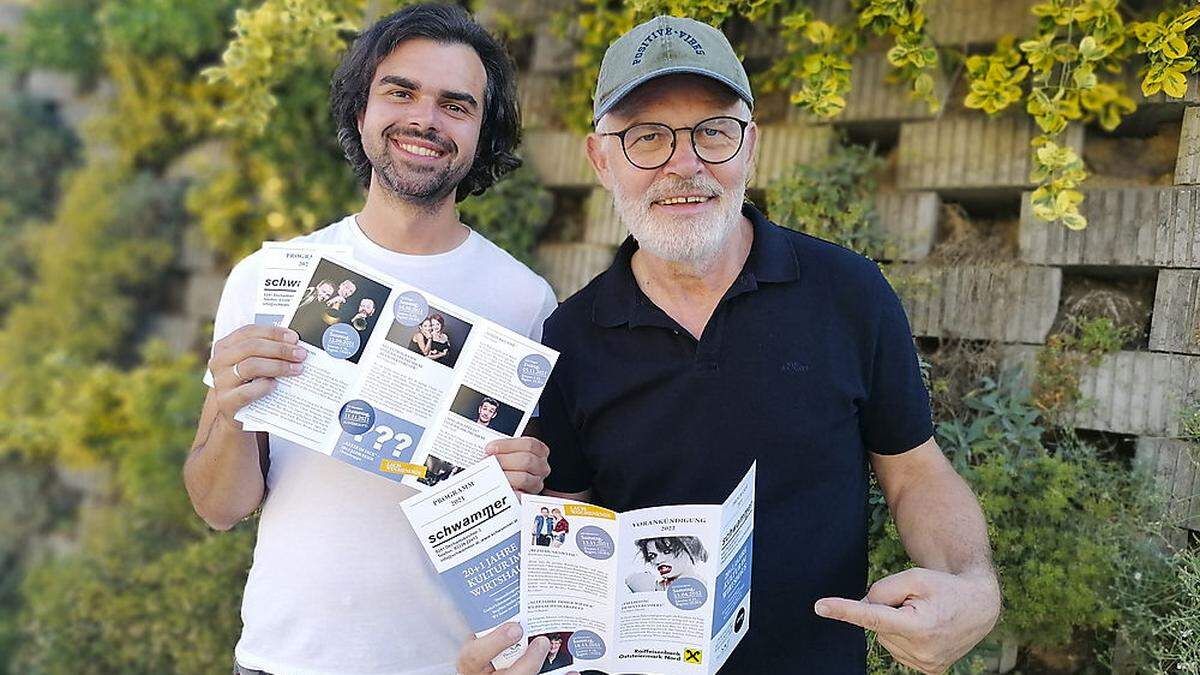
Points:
(300, 353)
(821, 609)
(292, 336)
(296, 369)
(513, 632)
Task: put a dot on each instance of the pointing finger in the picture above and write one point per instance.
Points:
(872, 616)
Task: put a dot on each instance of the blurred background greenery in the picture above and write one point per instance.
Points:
(149, 144)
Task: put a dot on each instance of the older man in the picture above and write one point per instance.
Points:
(718, 337)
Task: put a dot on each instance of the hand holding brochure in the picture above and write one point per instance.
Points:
(658, 590)
(398, 382)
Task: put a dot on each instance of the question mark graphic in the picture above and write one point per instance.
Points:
(402, 443)
(385, 434)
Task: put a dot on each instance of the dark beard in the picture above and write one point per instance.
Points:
(420, 187)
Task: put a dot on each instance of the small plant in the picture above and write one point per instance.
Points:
(833, 199)
(1061, 361)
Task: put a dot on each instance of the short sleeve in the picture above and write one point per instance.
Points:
(569, 469)
(548, 305)
(896, 414)
(236, 308)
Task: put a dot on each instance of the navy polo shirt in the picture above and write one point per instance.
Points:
(806, 365)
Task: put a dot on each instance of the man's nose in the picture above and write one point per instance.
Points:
(423, 114)
(684, 162)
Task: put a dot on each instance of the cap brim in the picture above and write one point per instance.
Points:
(623, 91)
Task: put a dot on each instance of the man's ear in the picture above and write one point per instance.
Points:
(361, 114)
(752, 141)
(750, 146)
(599, 160)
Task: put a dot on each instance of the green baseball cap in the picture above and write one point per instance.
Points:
(666, 45)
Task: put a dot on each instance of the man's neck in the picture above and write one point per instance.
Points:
(689, 291)
(414, 229)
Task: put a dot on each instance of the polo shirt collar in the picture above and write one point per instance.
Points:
(619, 301)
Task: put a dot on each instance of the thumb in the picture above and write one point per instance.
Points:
(874, 617)
(531, 660)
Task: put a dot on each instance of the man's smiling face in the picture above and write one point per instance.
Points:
(420, 129)
(684, 210)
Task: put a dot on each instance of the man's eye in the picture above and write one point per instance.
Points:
(400, 93)
(455, 108)
(648, 138)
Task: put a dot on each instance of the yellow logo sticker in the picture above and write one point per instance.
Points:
(693, 656)
(402, 468)
(589, 511)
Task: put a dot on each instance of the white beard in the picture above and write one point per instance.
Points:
(692, 240)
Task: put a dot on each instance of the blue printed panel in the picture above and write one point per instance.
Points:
(487, 588)
(389, 441)
(733, 584)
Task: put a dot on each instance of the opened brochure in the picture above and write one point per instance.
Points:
(397, 382)
(657, 590)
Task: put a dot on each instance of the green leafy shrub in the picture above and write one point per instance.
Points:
(61, 35)
(35, 149)
(833, 199)
(1060, 516)
(187, 29)
(512, 213)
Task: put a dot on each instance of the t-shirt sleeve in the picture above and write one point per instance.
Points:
(549, 304)
(896, 414)
(569, 469)
(236, 308)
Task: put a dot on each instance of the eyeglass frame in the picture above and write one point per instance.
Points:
(675, 145)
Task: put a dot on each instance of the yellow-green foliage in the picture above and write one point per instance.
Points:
(273, 41)
(281, 171)
(152, 591)
(1168, 48)
(814, 68)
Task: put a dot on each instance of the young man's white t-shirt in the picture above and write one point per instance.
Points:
(340, 584)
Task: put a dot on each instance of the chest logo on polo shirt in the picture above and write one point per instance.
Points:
(794, 367)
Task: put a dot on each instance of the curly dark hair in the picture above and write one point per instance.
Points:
(500, 130)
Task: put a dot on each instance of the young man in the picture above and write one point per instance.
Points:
(800, 355)
(487, 411)
(426, 112)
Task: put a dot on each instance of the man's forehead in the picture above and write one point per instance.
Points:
(449, 66)
(681, 94)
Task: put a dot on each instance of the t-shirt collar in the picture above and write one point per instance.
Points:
(619, 301)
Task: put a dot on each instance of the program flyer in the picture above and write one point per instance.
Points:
(398, 382)
(470, 528)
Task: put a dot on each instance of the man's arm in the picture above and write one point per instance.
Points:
(930, 616)
(223, 474)
(938, 517)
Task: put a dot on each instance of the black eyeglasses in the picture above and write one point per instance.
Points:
(650, 145)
